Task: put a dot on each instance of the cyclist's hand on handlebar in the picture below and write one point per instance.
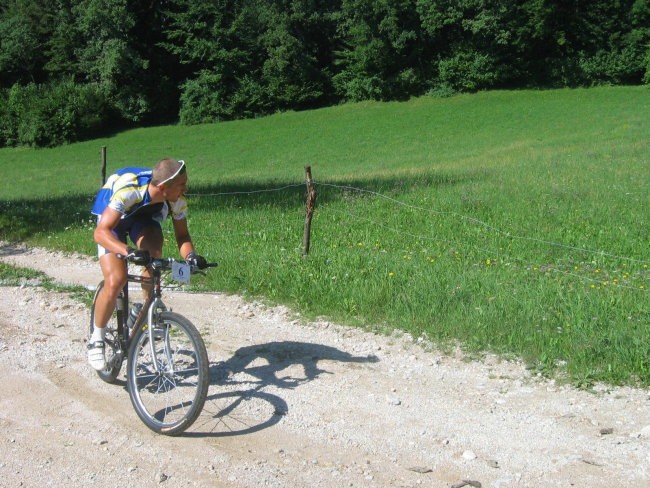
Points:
(138, 256)
(194, 259)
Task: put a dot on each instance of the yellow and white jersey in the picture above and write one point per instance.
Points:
(126, 191)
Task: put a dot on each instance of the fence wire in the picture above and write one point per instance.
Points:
(424, 238)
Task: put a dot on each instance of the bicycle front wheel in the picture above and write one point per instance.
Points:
(169, 379)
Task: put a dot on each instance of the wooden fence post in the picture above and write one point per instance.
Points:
(103, 165)
(311, 202)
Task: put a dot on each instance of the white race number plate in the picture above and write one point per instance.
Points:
(181, 272)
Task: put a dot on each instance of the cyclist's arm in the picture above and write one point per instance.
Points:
(104, 232)
(183, 238)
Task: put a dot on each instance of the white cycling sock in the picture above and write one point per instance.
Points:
(98, 334)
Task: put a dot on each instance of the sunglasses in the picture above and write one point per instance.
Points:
(181, 169)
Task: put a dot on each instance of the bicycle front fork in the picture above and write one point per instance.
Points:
(154, 319)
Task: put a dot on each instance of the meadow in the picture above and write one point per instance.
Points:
(512, 222)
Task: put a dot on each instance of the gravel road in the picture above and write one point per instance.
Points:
(297, 404)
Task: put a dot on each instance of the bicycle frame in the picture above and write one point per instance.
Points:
(153, 304)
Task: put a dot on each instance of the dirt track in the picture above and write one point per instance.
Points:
(298, 405)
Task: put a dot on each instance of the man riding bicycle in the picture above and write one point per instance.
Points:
(134, 202)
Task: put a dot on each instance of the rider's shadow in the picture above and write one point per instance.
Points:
(237, 402)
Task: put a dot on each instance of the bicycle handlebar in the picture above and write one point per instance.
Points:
(161, 263)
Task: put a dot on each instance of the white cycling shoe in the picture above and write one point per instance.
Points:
(96, 355)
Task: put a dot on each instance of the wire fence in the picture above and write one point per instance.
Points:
(374, 222)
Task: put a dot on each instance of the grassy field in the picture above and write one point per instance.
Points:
(511, 222)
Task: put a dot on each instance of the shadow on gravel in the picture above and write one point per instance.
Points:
(9, 249)
(238, 403)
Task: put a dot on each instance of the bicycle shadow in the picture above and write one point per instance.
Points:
(242, 406)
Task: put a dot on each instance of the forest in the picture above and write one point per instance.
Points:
(76, 69)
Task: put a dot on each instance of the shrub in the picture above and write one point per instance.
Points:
(468, 71)
(613, 67)
(357, 87)
(52, 114)
(203, 100)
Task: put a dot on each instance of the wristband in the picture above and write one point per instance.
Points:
(190, 255)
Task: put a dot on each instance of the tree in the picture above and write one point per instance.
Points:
(23, 30)
(63, 44)
(210, 40)
(108, 57)
(249, 57)
(615, 51)
(296, 55)
(380, 57)
(164, 74)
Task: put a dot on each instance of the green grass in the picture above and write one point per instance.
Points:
(20, 276)
(16, 276)
(512, 222)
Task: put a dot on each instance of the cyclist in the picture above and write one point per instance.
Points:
(134, 202)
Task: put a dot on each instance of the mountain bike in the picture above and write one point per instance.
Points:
(167, 363)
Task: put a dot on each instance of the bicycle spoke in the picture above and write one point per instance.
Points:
(170, 387)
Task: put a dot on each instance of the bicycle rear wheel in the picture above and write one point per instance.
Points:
(113, 351)
(168, 383)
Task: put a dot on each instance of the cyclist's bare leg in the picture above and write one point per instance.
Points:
(151, 239)
(114, 271)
